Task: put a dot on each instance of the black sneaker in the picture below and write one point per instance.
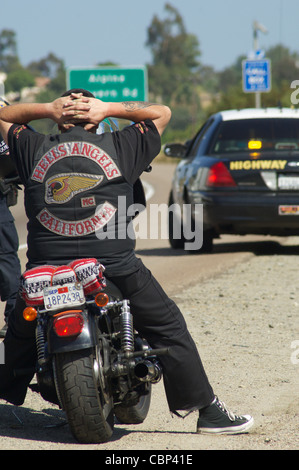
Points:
(217, 419)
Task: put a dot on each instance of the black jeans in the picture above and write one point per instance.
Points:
(161, 322)
(156, 317)
(10, 268)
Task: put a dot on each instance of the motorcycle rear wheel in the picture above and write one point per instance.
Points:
(89, 412)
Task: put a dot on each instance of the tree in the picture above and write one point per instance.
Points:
(18, 79)
(284, 67)
(46, 67)
(53, 68)
(175, 58)
(284, 64)
(173, 74)
(8, 51)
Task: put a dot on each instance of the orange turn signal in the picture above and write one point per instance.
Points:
(29, 313)
(101, 299)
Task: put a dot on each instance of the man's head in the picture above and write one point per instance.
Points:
(87, 94)
(78, 90)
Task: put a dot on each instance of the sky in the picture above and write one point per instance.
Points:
(85, 33)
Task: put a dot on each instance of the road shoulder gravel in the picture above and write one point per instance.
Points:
(245, 324)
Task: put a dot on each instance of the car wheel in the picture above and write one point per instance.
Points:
(176, 240)
(207, 243)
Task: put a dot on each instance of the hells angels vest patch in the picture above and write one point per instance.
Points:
(63, 186)
(69, 228)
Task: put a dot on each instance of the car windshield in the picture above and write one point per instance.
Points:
(249, 135)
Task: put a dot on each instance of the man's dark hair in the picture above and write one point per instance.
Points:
(78, 90)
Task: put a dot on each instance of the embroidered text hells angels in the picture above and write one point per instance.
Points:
(75, 149)
(64, 186)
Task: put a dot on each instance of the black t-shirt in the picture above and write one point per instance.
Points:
(136, 146)
(67, 177)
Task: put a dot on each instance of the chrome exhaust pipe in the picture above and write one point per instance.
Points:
(147, 371)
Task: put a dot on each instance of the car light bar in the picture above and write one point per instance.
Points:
(255, 144)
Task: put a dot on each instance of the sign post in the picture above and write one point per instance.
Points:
(256, 77)
(111, 83)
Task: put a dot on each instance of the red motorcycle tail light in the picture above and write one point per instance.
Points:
(219, 176)
(68, 324)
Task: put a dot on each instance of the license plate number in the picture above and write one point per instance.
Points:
(288, 182)
(68, 295)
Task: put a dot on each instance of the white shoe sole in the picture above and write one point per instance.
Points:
(230, 429)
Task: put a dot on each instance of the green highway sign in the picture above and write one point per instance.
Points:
(111, 83)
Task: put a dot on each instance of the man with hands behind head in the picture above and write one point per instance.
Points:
(61, 229)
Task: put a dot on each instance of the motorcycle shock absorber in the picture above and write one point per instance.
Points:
(40, 343)
(126, 329)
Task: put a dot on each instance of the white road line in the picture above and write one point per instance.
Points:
(23, 247)
(149, 190)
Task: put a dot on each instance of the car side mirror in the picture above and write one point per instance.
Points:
(175, 150)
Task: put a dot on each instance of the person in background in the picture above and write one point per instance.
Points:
(10, 268)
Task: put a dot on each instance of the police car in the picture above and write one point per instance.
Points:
(239, 175)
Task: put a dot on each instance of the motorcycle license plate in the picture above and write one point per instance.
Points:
(68, 295)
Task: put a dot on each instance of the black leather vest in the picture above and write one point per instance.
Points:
(78, 202)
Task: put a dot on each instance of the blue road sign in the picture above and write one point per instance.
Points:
(256, 75)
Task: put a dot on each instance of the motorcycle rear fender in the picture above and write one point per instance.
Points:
(86, 339)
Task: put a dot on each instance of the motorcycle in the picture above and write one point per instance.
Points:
(91, 361)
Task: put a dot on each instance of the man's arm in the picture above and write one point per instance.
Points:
(74, 109)
(94, 111)
(23, 113)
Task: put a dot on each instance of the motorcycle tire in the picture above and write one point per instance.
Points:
(134, 414)
(90, 416)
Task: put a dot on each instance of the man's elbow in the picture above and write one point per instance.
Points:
(163, 121)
